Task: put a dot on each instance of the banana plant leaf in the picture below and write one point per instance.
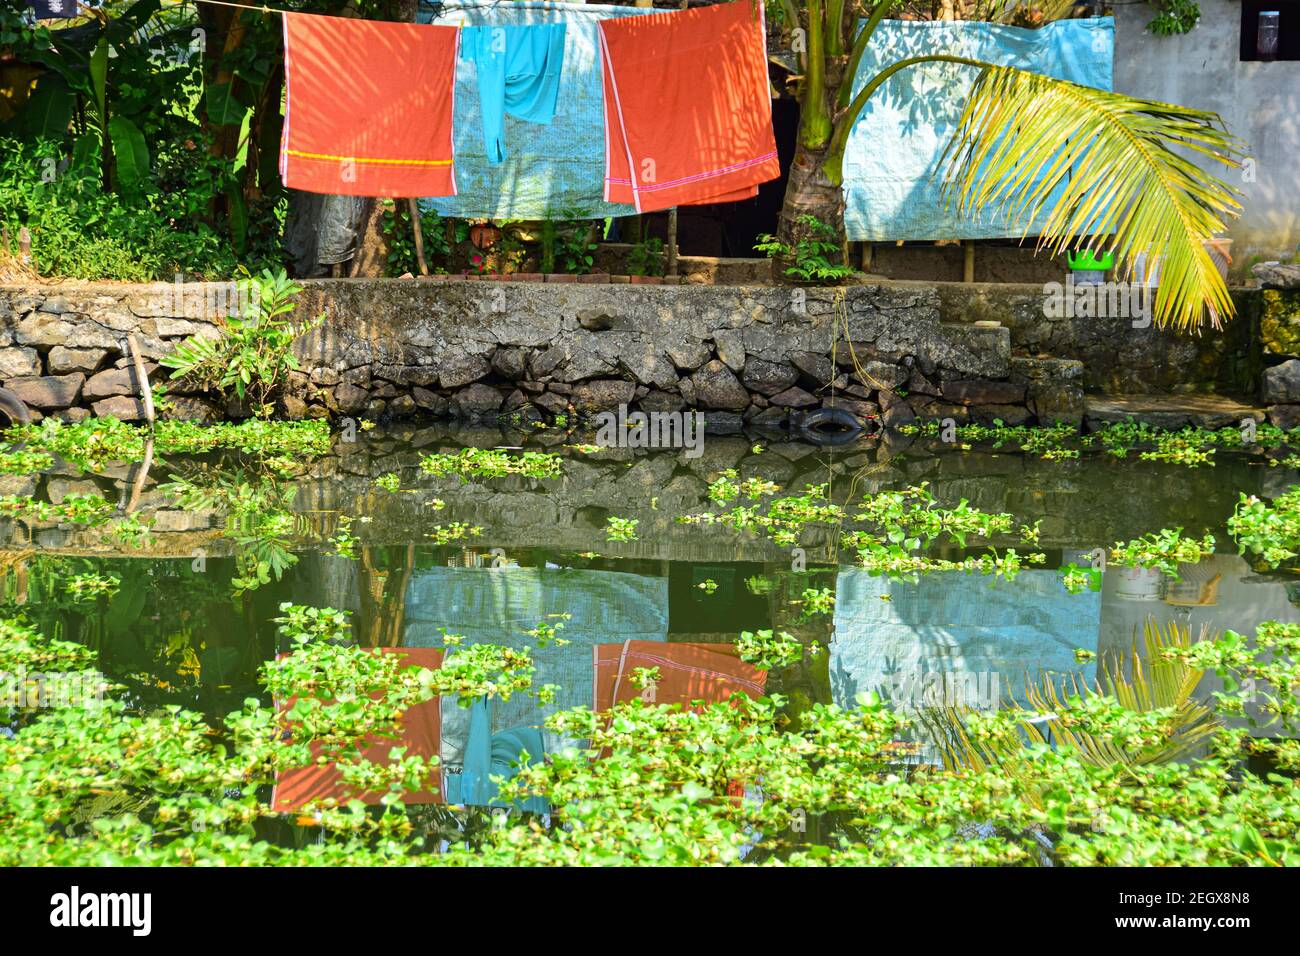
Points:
(130, 151)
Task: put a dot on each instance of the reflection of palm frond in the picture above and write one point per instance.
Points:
(1106, 165)
(1144, 679)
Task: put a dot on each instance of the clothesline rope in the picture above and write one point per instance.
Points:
(452, 4)
(449, 4)
(262, 8)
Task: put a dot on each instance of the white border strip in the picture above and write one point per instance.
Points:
(288, 98)
(622, 123)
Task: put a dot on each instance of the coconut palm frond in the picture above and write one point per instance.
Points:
(1103, 165)
(1149, 678)
(946, 727)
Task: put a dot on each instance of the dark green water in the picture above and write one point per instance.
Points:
(173, 632)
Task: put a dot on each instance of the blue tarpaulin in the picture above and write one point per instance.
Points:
(551, 171)
(892, 173)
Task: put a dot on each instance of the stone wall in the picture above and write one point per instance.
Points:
(1280, 336)
(1118, 358)
(478, 350)
(739, 353)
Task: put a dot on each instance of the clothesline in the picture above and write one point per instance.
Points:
(262, 8)
(680, 110)
(245, 6)
(451, 4)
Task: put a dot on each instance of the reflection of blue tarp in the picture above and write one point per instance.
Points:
(497, 605)
(487, 755)
(549, 172)
(952, 623)
(892, 173)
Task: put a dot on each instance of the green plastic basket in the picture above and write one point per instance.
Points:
(1085, 260)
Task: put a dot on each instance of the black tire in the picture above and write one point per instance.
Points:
(830, 426)
(13, 409)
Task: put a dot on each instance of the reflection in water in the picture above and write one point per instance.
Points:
(420, 735)
(686, 673)
(958, 638)
(1217, 594)
(981, 639)
(672, 598)
(500, 605)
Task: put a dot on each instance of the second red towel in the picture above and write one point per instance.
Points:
(688, 114)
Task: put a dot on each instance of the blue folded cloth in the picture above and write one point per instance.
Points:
(518, 73)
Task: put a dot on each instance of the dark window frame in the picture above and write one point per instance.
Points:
(1288, 47)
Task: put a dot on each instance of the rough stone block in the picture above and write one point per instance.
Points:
(63, 359)
(47, 392)
(19, 363)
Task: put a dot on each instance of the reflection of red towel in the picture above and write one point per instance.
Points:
(687, 672)
(420, 732)
(688, 115)
(368, 107)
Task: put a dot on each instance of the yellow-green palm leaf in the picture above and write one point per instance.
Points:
(1104, 165)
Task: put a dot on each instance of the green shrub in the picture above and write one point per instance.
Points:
(81, 232)
(252, 356)
(438, 250)
(810, 259)
(646, 258)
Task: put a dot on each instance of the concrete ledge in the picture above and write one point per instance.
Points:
(1173, 412)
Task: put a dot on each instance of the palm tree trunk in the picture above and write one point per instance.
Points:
(809, 192)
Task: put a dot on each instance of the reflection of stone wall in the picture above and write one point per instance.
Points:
(1082, 504)
(477, 350)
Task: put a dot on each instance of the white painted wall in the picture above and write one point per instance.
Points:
(1259, 102)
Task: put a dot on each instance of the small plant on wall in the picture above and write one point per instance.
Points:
(1174, 17)
(441, 238)
(646, 258)
(812, 258)
(567, 242)
(576, 251)
(251, 356)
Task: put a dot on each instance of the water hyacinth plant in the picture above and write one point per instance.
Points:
(656, 783)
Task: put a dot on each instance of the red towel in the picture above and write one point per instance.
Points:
(687, 672)
(688, 114)
(420, 732)
(368, 107)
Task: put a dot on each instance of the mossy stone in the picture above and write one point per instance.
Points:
(1280, 322)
